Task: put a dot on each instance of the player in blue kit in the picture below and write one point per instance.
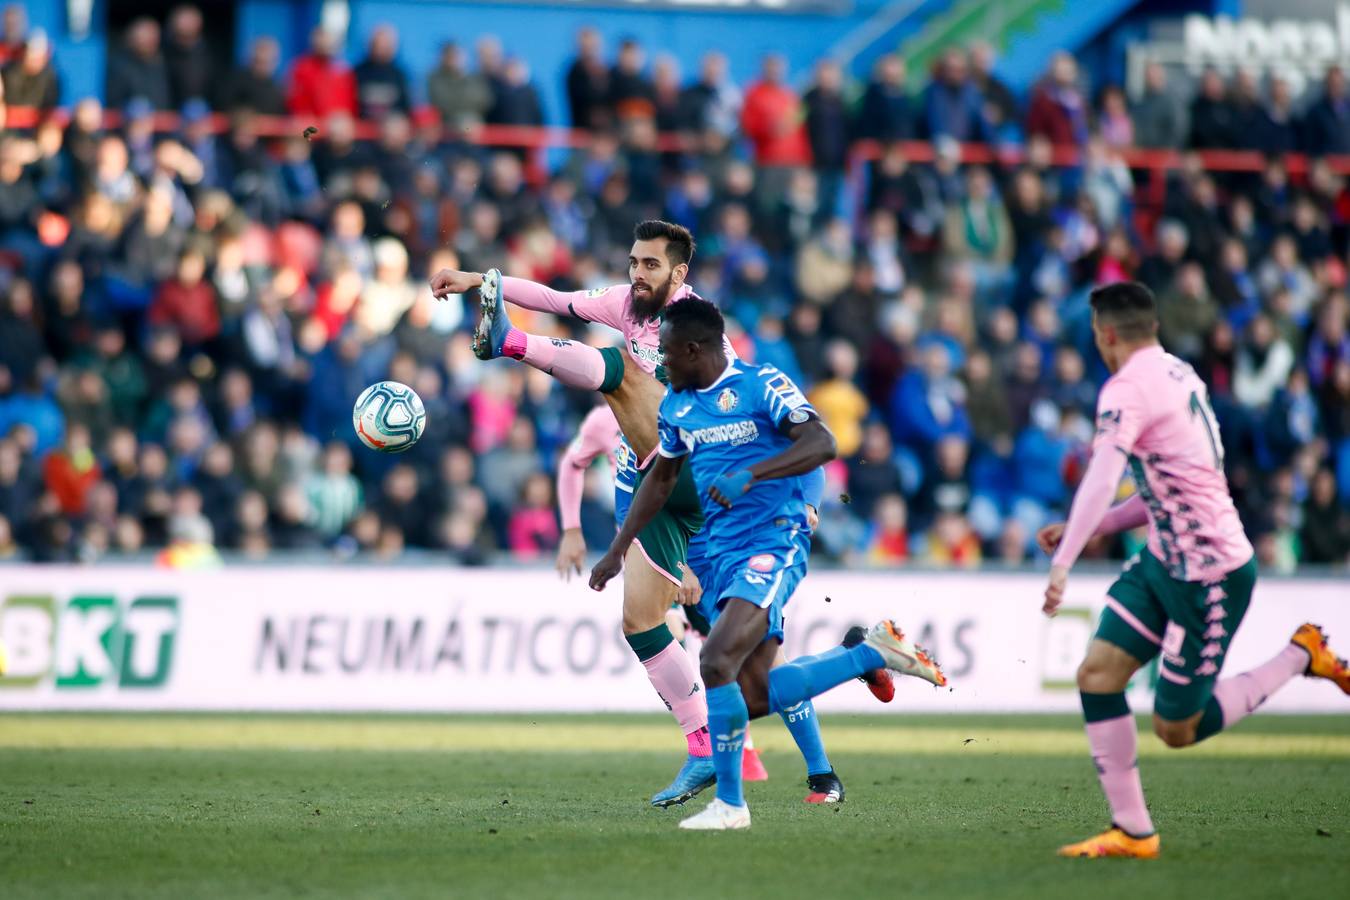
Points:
(749, 436)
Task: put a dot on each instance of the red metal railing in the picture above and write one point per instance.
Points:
(538, 139)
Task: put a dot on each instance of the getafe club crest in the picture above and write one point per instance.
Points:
(727, 400)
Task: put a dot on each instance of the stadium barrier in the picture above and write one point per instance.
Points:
(476, 640)
(536, 140)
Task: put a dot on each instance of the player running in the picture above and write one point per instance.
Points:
(750, 436)
(599, 435)
(1186, 593)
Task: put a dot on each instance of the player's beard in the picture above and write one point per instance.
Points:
(648, 306)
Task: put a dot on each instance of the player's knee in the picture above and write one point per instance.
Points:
(1096, 676)
(716, 668)
(756, 704)
(1174, 734)
(639, 617)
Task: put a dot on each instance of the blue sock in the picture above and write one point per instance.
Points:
(808, 676)
(801, 721)
(727, 720)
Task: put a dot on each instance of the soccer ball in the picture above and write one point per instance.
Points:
(389, 417)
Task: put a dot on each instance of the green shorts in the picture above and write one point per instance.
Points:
(1190, 622)
(665, 540)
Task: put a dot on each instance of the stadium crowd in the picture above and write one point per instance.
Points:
(186, 316)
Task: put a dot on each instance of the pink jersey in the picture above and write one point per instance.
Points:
(1156, 411)
(599, 434)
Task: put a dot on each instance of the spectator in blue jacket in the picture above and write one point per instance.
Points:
(951, 103)
(928, 402)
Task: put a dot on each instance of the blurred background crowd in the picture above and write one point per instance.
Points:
(187, 311)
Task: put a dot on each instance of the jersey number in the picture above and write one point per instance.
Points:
(1200, 407)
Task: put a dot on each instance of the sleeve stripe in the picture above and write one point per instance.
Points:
(671, 454)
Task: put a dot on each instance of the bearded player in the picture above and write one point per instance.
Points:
(658, 266)
(1186, 593)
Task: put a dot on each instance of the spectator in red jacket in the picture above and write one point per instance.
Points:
(773, 120)
(187, 303)
(321, 83)
(71, 470)
(1058, 109)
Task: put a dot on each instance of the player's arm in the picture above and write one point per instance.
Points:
(655, 490)
(812, 444)
(595, 437)
(1120, 417)
(1125, 515)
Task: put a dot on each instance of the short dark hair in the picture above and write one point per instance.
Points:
(679, 242)
(1129, 307)
(695, 319)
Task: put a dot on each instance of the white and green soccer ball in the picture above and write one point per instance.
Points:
(389, 417)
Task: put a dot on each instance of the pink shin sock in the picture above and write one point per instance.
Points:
(1115, 750)
(1240, 695)
(672, 674)
(575, 365)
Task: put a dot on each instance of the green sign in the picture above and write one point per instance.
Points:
(88, 641)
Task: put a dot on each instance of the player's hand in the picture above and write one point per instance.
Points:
(451, 281)
(812, 517)
(609, 565)
(1048, 537)
(571, 554)
(1054, 591)
(690, 591)
(727, 488)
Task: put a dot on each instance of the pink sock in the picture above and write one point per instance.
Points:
(1240, 695)
(698, 742)
(672, 674)
(575, 365)
(1115, 750)
(514, 345)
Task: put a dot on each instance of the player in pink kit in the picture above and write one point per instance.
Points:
(1186, 594)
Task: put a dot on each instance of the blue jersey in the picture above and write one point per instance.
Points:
(737, 421)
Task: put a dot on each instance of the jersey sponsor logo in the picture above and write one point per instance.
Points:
(780, 386)
(734, 433)
(727, 400)
(645, 354)
(762, 563)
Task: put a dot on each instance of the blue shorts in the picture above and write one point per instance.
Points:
(764, 571)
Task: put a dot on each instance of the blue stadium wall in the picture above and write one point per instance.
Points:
(544, 33)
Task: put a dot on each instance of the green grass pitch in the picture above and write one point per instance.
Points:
(522, 807)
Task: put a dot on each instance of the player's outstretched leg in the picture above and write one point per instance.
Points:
(823, 785)
(1238, 697)
(885, 646)
(878, 681)
(574, 364)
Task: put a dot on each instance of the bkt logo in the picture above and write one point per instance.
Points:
(88, 641)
